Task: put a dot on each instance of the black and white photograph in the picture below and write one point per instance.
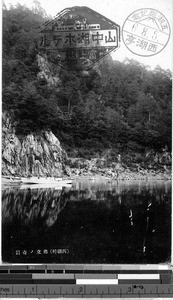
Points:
(86, 132)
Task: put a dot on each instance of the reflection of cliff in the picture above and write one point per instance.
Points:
(30, 207)
(44, 205)
(96, 226)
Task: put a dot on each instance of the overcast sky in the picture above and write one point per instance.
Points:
(118, 11)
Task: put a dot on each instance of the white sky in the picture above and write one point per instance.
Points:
(118, 11)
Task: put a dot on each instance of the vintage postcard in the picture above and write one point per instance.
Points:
(86, 132)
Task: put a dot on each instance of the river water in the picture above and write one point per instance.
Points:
(91, 222)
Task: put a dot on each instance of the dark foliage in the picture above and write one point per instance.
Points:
(119, 105)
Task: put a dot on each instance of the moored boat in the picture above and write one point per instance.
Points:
(57, 186)
(41, 180)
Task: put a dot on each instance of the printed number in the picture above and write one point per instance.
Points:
(144, 32)
(134, 27)
(80, 290)
(154, 37)
(129, 289)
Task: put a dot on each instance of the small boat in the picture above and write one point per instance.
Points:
(57, 186)
(42, 180)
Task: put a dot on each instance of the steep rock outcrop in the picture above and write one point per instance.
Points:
(35, 154)
(48, 70)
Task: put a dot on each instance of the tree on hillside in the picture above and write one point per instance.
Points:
(116, 104)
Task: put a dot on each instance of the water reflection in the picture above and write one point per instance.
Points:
(31, 205)
(97, 222)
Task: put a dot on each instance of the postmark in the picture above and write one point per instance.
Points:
(146, 32)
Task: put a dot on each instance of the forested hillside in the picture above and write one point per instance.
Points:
(118, 105)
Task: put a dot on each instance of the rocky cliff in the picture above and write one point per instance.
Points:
(42, 155)
(35, 155)
(48, 70)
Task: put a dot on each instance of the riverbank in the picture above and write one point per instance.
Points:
(99, 168)
(107, 175)
(123, 176)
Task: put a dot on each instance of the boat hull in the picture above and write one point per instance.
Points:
(45, 186)
(36, 180)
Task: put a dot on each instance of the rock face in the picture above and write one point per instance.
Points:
(47, 70)
(35, 155)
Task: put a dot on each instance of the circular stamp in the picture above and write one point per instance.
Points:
(146, 32)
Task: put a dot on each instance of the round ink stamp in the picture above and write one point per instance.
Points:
(146, 32)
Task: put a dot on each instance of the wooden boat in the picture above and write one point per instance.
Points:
(45, 180)
(57, 186)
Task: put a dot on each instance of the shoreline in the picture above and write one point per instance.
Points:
(124, 176)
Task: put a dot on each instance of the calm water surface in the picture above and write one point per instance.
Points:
(93, 222)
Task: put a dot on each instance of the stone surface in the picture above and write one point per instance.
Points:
(47, 70)
(35, 155)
